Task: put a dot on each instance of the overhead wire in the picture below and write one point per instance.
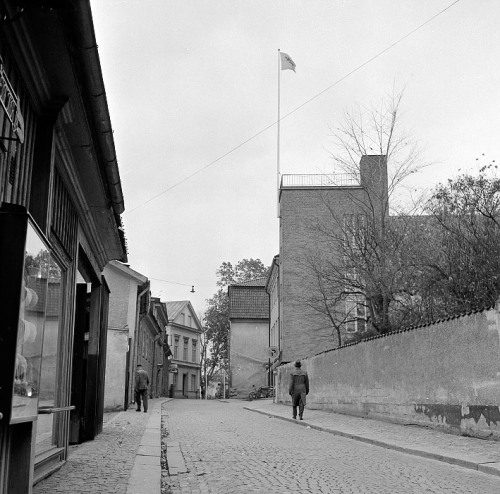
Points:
(171, 282)
(359, 67)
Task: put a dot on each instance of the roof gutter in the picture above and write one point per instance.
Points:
(86, 43)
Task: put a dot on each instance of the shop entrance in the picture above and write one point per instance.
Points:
(89, 356)
(80, 357)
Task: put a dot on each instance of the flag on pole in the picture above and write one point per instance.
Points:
(287, 62)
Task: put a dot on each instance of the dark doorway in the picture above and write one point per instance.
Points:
(80, 357)
(127, 377)
(89, 353)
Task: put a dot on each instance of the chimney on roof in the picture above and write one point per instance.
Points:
(373, 177)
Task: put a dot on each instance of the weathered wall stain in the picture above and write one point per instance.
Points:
(491, 413)
(453, 415)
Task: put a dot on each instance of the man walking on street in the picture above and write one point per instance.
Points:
(141, 388)
(298, 389)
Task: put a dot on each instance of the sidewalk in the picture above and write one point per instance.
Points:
(145, 477)
(477, 454)
(124, 459)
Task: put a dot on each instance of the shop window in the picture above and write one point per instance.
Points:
(35, 380)
(64, 218)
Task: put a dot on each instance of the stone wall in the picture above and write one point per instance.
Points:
(444, 375)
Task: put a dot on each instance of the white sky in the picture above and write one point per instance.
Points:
(189, 80)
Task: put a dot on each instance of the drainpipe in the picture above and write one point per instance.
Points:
(154, 374)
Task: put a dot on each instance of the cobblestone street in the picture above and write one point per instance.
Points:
(229, 450)
(101, 466)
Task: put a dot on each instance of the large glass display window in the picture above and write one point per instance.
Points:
(37, 335)
(46, 437)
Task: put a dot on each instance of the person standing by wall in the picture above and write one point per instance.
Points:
(141, 388)
(298, 389)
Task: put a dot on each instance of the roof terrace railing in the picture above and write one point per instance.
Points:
(323, 180)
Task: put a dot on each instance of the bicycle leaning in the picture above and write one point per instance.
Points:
(262, 392)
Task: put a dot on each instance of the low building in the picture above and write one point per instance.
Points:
(127, 287)
(184, 332)
(249, 348)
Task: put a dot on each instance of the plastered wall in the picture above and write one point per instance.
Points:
(249, 345)
(444, 375)
(114, 390)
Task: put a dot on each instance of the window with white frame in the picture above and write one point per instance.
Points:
(354, 233)
(185, 349)
(356, 314)
(176, 346)
(194, 346)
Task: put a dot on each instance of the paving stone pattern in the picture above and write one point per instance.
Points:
(101, 466)
(230, 450)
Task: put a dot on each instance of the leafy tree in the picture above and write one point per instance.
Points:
(465, 270)
(216, 319)
(44, 263)
(217, 332)
(245, 270)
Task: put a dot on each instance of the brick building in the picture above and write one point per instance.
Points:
(248, 334)
(308, 204)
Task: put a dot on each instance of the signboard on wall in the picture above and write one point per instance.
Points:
(10, 102)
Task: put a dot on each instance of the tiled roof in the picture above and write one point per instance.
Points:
(255, 282)
(48, 296)
(249, 301)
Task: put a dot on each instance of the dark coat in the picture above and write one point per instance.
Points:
(299, 386)
(141, 380)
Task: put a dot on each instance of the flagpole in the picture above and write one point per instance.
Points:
(278, 152)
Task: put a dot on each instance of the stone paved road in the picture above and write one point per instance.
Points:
(101, 466)
(229, 450)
